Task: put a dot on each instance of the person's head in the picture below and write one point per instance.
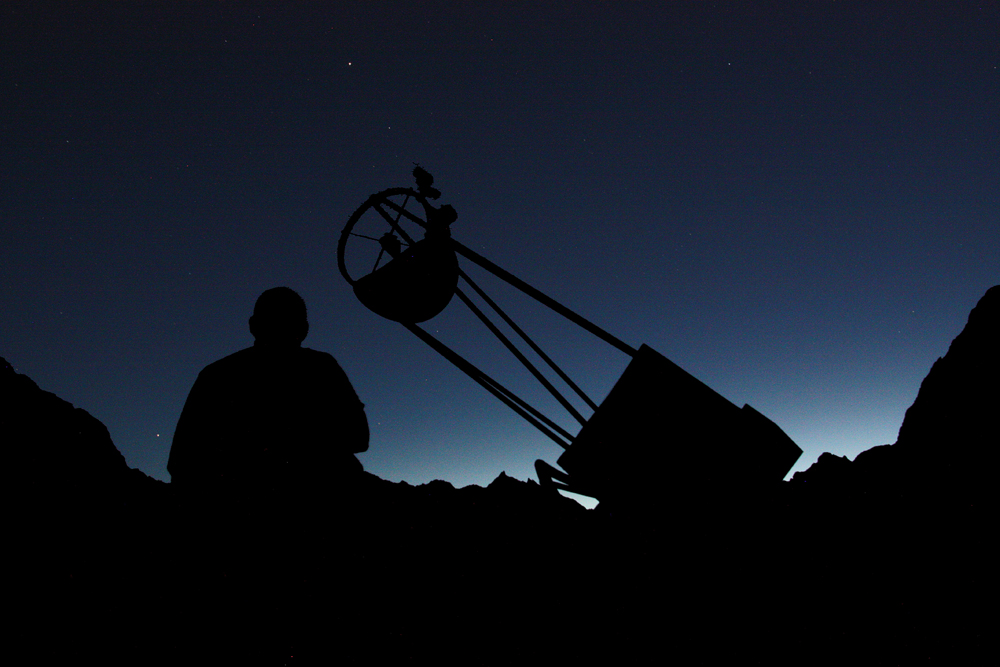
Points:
(279, 318)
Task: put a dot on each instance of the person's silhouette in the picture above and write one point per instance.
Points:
(273, 418)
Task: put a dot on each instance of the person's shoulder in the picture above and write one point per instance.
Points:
(324, 364)
(227, 363)
(317, 356)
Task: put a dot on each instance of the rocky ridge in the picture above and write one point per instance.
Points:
(880, 560)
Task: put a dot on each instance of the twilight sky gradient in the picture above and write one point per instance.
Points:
(798, 203)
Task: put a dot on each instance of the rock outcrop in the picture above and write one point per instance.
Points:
(947, 443)
(952, 430)
(899, 537)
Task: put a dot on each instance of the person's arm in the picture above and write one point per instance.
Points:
(190, 461)
(355, 433)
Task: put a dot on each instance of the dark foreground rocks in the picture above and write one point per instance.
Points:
(880, 560)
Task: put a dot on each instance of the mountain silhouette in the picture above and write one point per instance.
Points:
(949, 435)
(879, 560)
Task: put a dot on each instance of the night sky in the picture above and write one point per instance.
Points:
(798, 203)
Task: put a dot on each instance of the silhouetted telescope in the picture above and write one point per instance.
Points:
(658, 434)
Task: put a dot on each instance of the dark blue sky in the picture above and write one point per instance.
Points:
(796, 202)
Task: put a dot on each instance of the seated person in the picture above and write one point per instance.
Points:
(271, 420)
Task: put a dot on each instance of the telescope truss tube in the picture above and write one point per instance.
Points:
(559, 435)
(548, 427)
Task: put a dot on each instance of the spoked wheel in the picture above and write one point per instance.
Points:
(395, 252)
(366, 241)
